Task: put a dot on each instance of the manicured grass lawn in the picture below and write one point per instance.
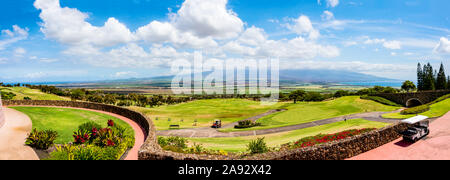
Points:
(34, 94)
(65, 121)
(436, 110)
(304, 112)
(239, 144)
(205, 111)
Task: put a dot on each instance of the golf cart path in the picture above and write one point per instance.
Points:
(435, 146)
(138, 132)
(13, 135)
(209, 132)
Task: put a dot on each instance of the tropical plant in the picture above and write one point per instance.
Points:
(257, 146)
(41, 139)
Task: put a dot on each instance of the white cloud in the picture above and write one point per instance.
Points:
(208, 19)
(302, 25)
(10, 37)
(443, 46)
(330, 3)
(19, 51)
(48, 60)
(69, 26)
(386, 44)
(392, 45)
(327, 16)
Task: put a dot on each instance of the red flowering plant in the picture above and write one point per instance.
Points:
(325, 138)
(110, 123)
(81, 137)
(106, 138)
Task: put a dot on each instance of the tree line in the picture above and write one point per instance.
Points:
(429, 79)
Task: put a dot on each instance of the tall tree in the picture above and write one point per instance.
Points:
(420, 86)
(441, 80)
(428, 77)
(408, 86)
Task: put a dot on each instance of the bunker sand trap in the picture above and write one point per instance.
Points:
(13, 135)
(435, 146)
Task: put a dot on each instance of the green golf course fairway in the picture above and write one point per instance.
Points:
(436, 110)
(304, 112)
(239, 144)
(205, 112)
(65, 120)
(34, 94)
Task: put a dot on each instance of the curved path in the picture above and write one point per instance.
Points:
(209, 132)
(138, 132)
(435, 146)
(12, 137)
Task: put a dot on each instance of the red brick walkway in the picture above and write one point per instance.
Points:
(434, 147)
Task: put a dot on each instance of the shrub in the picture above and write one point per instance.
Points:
(178, 142)
(81, 137)
(26, 98)
(7, 95)
(380, 100)
(86, 152)
(41, 139)
(257, 146)
(246, 124)
(416, 110)
(89, 126)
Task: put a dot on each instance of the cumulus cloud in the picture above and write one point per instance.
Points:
(443, 46)
(12, 36)
(208, 19)
(69, 26)
(198, 24)
(302, 25)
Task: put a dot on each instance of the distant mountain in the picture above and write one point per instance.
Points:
(329, 76)
(286, 77)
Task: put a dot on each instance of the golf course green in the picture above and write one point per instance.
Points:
(204, 112)
(239, 144)
(65, 120)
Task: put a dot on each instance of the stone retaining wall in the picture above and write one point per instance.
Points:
(151, 150)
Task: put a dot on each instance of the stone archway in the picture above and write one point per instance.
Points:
(413, 102)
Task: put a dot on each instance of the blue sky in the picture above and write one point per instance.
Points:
(79, 40)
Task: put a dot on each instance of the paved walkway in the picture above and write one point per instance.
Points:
(209, 132)
(434, 147)
(12, 137)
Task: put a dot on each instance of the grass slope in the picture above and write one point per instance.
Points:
(205, 111)
(34, 94)
(305, 112)
(436, 110)
(65, 121)
(239, 144)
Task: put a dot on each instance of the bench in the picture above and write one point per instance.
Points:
(174, 126)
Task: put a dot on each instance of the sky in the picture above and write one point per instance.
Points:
(87, 40)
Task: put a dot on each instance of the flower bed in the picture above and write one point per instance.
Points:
(321, 138)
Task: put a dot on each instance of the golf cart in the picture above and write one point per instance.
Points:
(217, 124)
(419, 129)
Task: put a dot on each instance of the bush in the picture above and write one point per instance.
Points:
(89, 126)
(41, 139)
(246, 124)
(177, 142)
(7, 95)
(257, 146)
(380, 100)
(88, 152)
(416, 110)
(26, 98)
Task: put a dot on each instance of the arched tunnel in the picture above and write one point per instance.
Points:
(413, 102)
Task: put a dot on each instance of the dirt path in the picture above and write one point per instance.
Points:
(209, 132)
(138, 132)
(434, 147)
(12, 137)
